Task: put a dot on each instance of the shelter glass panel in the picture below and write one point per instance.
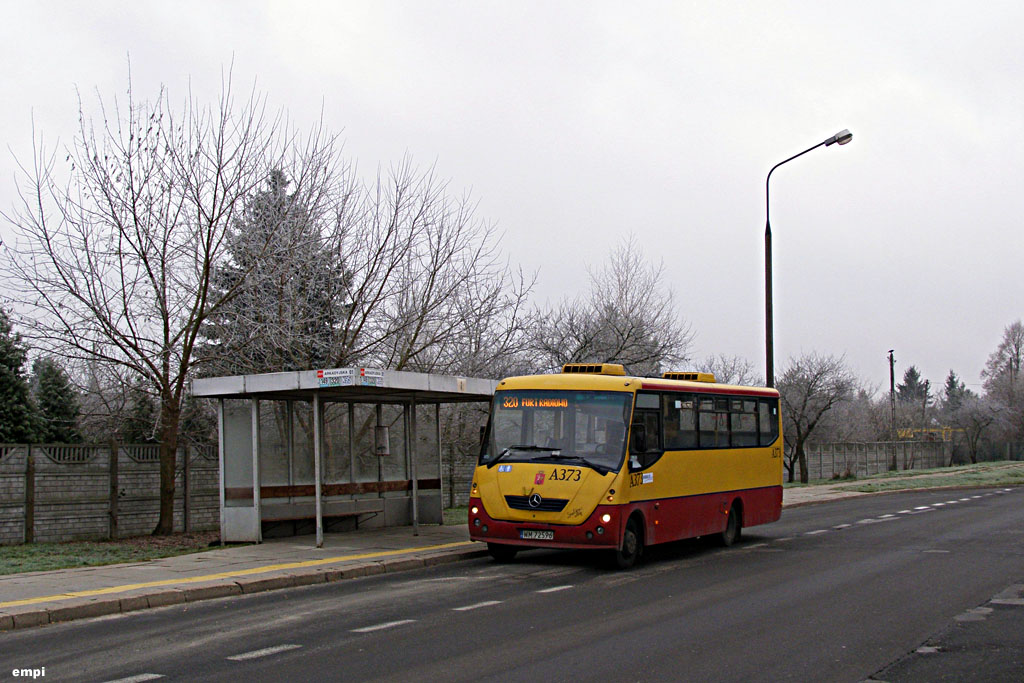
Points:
(238, 448)
(394, 466)
(366, 459)
(337, 468)
(274, 429)
(302, 443)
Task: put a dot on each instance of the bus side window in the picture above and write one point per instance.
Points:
(714, 422)
(768, 420)
(678, 415)
(744, 422)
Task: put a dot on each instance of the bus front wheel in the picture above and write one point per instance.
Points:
(632, 545)
(502, 553)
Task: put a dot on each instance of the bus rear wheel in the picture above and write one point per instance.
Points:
(733, 528)
(502, 553)
(632, 546)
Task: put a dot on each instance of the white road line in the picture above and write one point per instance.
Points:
(137, 679)
(785, 538)
(975, 497)
(903, 512)
(965, 500)
(381, 627)
(554, 589)
(486, 603)
(937, 505)
(952, 502)
(842, 526)
(265, 652)
(816, 532)
(923, 507)
(756, 545)
(867, 521)
(886, 516)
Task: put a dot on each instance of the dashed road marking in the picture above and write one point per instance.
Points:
(842, 526)
(265, 652)
(381, 627)
(904, 512)
(886, 516)
(923, 507)
(815, 532)
(486, 603)
(554, 589)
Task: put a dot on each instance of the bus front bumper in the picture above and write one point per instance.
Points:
(600, 530)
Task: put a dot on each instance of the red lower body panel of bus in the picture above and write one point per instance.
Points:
(665, 520)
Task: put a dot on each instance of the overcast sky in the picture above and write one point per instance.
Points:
(576, 123)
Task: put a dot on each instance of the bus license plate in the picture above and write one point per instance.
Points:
(536, 535)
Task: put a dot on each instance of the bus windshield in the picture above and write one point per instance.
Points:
(585, 428)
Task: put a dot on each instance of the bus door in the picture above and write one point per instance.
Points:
(645, 446)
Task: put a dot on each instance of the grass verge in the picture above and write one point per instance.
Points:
(37, 557)
(456, 516)
(987, 474)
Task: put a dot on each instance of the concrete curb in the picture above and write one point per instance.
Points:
(15, 618)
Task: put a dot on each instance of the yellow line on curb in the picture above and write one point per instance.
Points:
(227, 575)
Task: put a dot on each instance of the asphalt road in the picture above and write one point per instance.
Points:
(846, 591)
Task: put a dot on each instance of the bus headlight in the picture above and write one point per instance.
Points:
(606, 518)
(474, 509)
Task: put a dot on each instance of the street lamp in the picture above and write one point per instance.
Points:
(842, 137)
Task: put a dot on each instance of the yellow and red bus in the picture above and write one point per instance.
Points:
(592, 458)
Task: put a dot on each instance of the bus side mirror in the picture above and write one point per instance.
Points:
(638, 439)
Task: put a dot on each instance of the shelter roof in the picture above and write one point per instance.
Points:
(360, 385)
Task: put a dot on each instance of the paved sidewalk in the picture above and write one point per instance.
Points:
(37, 598)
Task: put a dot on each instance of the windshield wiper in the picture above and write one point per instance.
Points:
(600, 469)
(509, 449)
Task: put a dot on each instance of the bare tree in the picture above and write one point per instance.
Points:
(116, 250)
(1003, 379)
(810, 387)
(975, 417)
(629, 316)
(424, 288)
(731, 370)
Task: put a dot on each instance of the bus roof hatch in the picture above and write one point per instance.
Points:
(691, 376)
(595, 369)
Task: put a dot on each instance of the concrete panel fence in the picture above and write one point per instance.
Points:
(52, 492)
(828, 460)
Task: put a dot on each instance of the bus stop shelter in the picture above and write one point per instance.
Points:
(331, 449)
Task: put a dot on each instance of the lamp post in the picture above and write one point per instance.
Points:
(842, 137)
